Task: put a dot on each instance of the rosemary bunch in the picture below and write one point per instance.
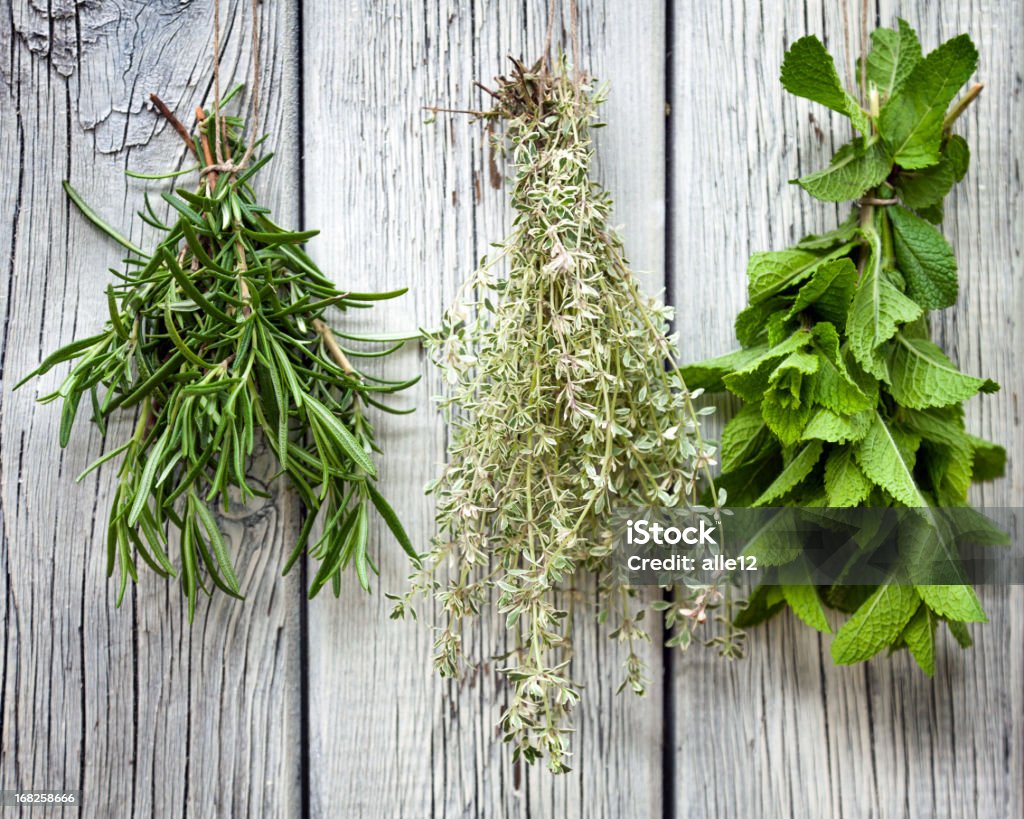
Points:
(215, 337)
(561, 408)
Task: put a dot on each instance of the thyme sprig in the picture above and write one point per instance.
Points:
(561, 408)
(216, 337)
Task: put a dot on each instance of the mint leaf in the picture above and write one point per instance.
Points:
(708, 374)
(878, 623)
(910, 123)
(796, 469)
(920, 376)
(926, 188)
(946, 451)
(958, 603)
(787, 401)
(958, 154)
(834, 388)
(989, 461)
(803, 598)
(856, 168)
(752, 379)
(744, 438)
(845, 483)
(751, 321)
(894, 54)
(771, 272)
(878, 310)
(886, 456)
(809, 71)
(835, 428)
(925, 259)
(919, 635)
(763, 604)
(960, 633)
(837, 236)
(829, 291)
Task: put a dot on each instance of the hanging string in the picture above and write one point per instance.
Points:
(850, 73)
(864, 51)
(218, 122)
(574, 34)
(550, 30)
(226, 164)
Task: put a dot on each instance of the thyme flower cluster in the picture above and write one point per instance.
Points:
(563, 403)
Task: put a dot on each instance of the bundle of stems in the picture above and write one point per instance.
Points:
(562, 409)
(219, 335)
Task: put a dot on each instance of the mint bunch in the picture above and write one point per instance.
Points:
(847, 400)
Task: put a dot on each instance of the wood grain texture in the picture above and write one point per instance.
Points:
(282, 708)
(143, 714)
(878, 739)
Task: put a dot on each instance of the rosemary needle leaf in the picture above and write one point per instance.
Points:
(94, 217)
(217, 336)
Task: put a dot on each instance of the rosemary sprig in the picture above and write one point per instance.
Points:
(561, 408)
(217, 336)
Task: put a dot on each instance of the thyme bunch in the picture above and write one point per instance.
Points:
(561, 407)
(218, 336)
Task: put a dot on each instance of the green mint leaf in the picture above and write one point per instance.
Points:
(832, 238)
(989, 460)
(809, 71)
(886, 454)
(958, 154)
(751, 380)
(919, 635)
(856, 168)
(708, 374)
(796, 469)
(787, 401)
(845, 483)
(925, 259)
(745, 438)
(773, 543)
(958, 603)
(933, 213)
(894, 54)
(920, 376)
(834, 388)
(763, 604)
(946, 454)
(927, 187)
(830, 291)
(878, 310)
(751, 322)
(910, 123)
(878, 623)
(826, 425)
(960, 633)
(771, 272)
(802, 597)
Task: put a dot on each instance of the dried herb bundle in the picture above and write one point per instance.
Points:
(561, 407)
(218, 335)
(848, 401)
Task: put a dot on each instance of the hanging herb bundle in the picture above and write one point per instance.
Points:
(218, 335)
(561, 408)
(847, 400)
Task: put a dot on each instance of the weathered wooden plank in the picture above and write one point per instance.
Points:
(812, 739)
(142, 713)
(416, 207)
